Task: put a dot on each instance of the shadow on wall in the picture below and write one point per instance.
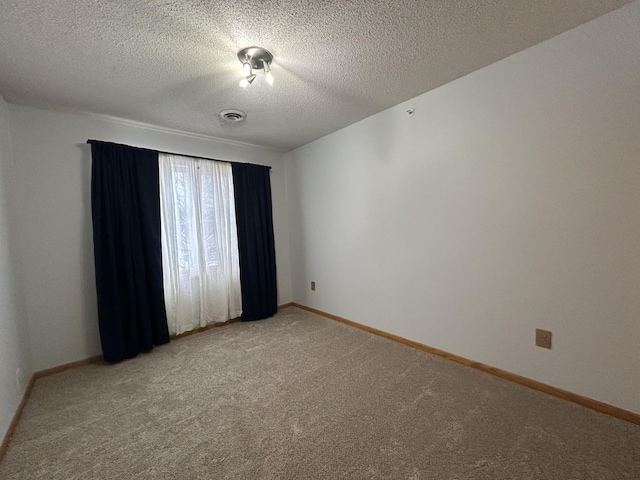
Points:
(89, 307)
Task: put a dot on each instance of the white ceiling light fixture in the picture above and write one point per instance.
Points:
(255, 58)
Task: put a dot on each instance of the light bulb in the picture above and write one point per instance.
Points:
(246, 68)
(247, 81)
(269, 78)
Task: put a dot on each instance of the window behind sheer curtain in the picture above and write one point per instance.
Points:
(199, 242)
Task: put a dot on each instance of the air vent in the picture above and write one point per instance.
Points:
(233, 116)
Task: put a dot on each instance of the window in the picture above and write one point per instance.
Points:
(199, 242)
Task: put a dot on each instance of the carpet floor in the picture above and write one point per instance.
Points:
(301, 396)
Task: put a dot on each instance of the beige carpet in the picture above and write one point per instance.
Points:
(300, 396)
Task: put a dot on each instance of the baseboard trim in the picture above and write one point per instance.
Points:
(204, 329)
(87, 361)
(67, 366)
(498, 372)
(16, 418)
(36, 375)
(217, 324)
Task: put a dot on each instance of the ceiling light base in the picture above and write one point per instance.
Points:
(257, 56)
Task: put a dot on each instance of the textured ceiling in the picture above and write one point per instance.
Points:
(173, 63)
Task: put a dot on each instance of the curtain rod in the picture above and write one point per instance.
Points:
(90, 141)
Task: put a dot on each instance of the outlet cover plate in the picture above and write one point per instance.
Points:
(313, 286)
(543, 338)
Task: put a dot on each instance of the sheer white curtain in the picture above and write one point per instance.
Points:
(199, 242)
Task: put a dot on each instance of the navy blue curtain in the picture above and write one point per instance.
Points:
(254, 218)
(125, 204)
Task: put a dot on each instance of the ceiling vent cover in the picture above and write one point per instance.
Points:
(233, 116)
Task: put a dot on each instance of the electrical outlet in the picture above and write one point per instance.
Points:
(543, 338)
(19, 378)
(313, 286)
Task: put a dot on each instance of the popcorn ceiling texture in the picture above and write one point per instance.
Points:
(173, 63)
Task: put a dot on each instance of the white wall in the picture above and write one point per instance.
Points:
(510, 201)
(14, 339)
(53, 166)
